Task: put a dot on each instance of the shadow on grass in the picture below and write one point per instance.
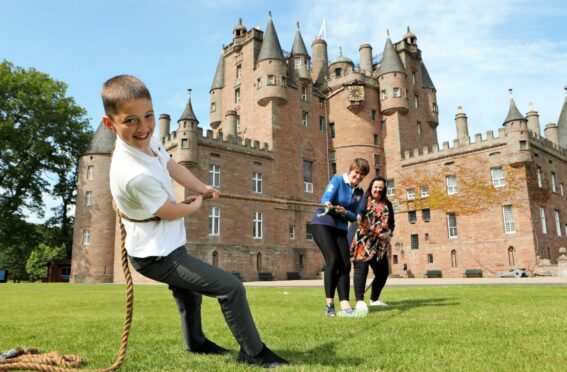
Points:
(406, 305)
(324, 354)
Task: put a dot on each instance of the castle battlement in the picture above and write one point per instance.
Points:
(548, 146)
(457, 148)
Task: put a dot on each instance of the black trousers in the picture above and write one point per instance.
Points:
(381, 270)
(189, 278)
(334, 245)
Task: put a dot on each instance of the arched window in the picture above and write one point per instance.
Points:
(511, 259)
(259, 262)
(215, 258)
(453, 258)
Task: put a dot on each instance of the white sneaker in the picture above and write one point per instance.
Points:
(378, 303)
(361, 305)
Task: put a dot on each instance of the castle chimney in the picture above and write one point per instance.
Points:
(533, 120)
(164, 120)
(551, 133)
(365, 51)
(320, 61)
(462, 126)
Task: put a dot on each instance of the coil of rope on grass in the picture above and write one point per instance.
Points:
(32, 360)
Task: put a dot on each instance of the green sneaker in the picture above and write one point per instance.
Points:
(353, 313)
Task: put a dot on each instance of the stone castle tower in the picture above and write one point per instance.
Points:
(283, 123)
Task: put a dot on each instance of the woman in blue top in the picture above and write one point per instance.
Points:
(343, 197)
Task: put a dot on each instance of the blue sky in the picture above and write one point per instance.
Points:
(474, 49)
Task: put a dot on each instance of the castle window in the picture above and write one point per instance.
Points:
(524, 145)
(259, 82)
(509, 222)
(557, 222)
(259, 262)
(376, 139)
(257, 163)
(416, 101)
(498, 177)
(338, 72)
(539, 178)
(332, 155)
(238, 123)
(257, 225)
(383, 124)
(292, 232)
(410, 193)
(424, 191)
(284, 81)
(271, 80)
(89, 198)
(377, 159)
(86, 237)
(553, 182)
(542, 218)
(237, 95)
(90, 172)
(397, 93)
(238, 71)
(321, 102)
(301, 261)
(426, 236)
(305, 119)
(214, 155)
(383, 94)
(214, 175)
(451, 184)
(308, 232)
(332, 130)
(429, 258)
(511, 258)
(390, 188)
(184, 143)
(333, 168)
(453, 258)
(418, 128)
(426, 214)
(257, 182)
(412, 217)
(304, 93)
(395, 259)
(321, 123)
(414, 241)
(435, 108)
(297, 63)
(308, 176)
(413, 77)
(561, 189)
(215, 259)
(214, 221)
(373, 115)
(452, 225)
(213, 106)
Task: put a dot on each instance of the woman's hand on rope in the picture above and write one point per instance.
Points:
(211, 193)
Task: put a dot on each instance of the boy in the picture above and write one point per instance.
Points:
(141, 187)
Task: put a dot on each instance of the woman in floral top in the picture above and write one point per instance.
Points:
(371, 242)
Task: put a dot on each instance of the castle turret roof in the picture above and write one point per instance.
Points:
(188, 114)
(271, 48)
(102, 142)
(562, 124)
(427, 83)
(298, 48)
(513, 112)
(218, 81)
(390, 60)
(341, 58)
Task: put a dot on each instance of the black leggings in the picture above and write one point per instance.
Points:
(334, 245)
(380, 269)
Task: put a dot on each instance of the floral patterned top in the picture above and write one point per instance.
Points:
(372, 238)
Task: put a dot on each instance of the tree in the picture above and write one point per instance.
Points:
(36, 266)
(42, 134)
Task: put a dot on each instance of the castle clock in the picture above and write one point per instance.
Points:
(356, 93)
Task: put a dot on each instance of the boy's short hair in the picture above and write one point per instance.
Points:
(120, 89)
(360, 164)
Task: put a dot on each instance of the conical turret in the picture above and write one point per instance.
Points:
(299, 59)
(430, 97)
(187, 135)
(392, 77)
(513, 112)
(216, 93)
(271, 70)
(562, 124)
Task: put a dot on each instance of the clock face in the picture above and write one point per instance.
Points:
(356, 93)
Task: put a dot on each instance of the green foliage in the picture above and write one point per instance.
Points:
(429, 328)
(36, 266)
(42, 134)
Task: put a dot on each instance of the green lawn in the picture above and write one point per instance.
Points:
(451, 328)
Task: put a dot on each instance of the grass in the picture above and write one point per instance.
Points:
(447, 328)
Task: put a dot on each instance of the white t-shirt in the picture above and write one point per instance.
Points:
(140, 184)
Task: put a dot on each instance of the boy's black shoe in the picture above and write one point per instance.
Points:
(209, 347)
(266, 359)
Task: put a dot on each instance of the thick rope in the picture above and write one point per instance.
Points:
(49, 362)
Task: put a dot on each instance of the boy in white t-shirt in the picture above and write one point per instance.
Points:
(140, 182)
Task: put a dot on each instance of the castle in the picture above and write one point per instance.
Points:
(284, 123)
